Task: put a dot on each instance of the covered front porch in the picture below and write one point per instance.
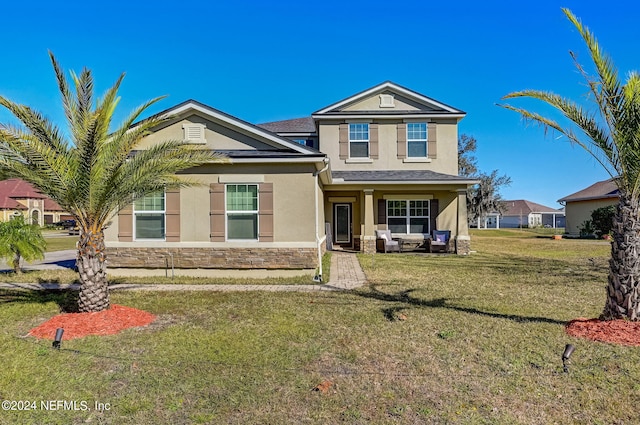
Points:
(410, 211)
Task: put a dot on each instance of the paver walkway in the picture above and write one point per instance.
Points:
(346, 274)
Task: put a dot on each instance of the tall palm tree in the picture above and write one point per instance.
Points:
(611, 134)
(94, 171)
(19, 239)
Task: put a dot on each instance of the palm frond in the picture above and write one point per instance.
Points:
(598, 141)
(612, 136)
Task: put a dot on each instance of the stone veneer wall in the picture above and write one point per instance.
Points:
(214, 258)
(463, 245)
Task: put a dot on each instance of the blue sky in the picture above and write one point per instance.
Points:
(267, 61)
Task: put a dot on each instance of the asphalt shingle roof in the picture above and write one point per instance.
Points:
(398, 175)
(296, 125)
(601, 190)
(249, 153)
(522, 206)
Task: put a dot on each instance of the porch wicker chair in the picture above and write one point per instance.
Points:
(385, 243)
(439, 241)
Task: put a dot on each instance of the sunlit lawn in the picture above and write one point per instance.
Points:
(432, 339)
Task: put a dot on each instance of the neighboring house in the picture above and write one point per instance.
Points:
(579, 205)
(385, 158)
(19, 197)
(522, 213)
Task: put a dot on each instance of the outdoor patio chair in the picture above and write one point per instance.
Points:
(439, 241)
(385, 243)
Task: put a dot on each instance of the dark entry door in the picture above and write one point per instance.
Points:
(342, 223)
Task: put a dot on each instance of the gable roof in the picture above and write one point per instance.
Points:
(235, 123)
(13, 189)
(435, 108)
(524, 207)
(296, 125)
(605, 189)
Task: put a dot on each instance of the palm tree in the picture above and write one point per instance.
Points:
(93, 172)
(611, 134)
(19, 239)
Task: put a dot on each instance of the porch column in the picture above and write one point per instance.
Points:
(368, 237)
(463, 240)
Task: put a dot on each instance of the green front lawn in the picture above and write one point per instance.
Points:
(60, 243)
(433, 339)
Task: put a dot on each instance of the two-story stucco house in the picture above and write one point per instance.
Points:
(385, 158)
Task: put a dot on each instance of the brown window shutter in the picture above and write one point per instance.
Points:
(265, 212)
(434, 214)
(432, 150)
(216, 213)
(343, 141)
(125, 224)
(382, 211)
(373, 141)
(402, 141)
(172, 199)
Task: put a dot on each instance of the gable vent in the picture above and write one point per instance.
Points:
(194, 133)
(387, 101)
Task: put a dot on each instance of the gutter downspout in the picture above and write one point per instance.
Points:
(318, 277)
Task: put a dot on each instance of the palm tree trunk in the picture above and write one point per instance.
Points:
(623, 291)
(92, 268)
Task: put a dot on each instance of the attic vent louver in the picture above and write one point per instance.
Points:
(386, 101)
(194, 133)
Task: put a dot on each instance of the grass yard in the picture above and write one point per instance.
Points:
(433, 339)
(60, 243)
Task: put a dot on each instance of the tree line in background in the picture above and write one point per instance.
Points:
(482, 198)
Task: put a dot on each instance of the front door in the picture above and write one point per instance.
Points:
(342, 223)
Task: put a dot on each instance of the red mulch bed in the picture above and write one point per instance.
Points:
(106, 322)
(623, 332)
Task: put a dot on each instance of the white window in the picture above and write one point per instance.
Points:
(149, 217)
(359, 140)
(194, 133)
(242, 211)
(417, 140)
(410, 216)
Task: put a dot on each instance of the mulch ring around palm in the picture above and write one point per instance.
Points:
(623, 332)
(106, 322)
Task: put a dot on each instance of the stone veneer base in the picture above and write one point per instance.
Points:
(213, 258)
(463, 245)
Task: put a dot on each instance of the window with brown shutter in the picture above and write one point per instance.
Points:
(173, 215)
(432, 145)
(216, 212)
(125, 224)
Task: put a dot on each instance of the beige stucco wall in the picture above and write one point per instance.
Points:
(293, 202)
(373, 104)
(217, 136)
(447, 149)
(580, 211)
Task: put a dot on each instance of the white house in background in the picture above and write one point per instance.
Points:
(523, 213)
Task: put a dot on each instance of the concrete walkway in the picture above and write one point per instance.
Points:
(346, 274)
